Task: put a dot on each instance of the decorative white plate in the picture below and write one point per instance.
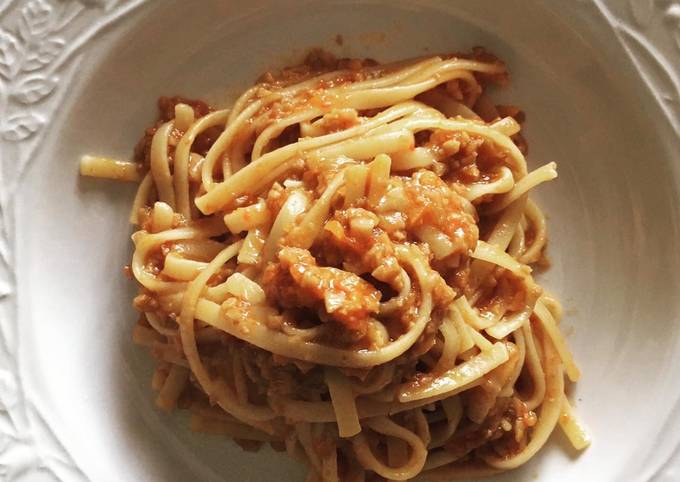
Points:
(598, 80)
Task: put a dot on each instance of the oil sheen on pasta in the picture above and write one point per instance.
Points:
(340, 266)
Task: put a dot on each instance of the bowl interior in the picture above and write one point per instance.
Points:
(612, 215)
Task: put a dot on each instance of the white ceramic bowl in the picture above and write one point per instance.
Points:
(601, 100)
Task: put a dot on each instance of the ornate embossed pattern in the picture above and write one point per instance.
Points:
(650, 32)
(40, 50)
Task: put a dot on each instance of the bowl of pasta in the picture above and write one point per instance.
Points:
(334, 241)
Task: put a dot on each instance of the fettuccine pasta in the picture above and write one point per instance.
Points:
(341, 265)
